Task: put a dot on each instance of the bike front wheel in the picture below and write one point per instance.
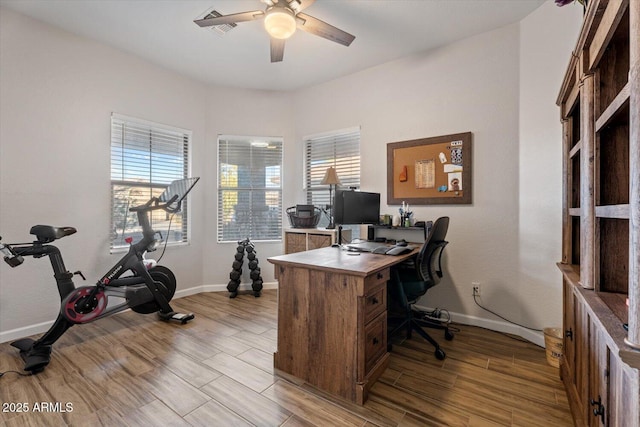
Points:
(166, 282)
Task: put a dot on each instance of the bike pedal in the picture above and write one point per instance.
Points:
(183, 318)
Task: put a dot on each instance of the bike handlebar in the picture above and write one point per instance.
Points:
(154, 204)
(10, 256)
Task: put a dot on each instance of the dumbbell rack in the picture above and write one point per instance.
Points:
(245, 246)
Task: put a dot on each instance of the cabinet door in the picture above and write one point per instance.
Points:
(569, 347)
(598, 378)
(294, 242)
(319, 241)
(581, 372)
(623, 394)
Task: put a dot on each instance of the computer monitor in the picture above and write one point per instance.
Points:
(356, 207)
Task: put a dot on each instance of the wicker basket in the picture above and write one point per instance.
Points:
(553, 345)
(303, 221)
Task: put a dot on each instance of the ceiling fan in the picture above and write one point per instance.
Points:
(281, 18)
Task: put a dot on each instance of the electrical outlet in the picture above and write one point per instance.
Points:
(476, 288)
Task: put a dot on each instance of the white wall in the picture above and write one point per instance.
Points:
(501, 86)
(544, 57)
(241, 112)
(57, 93)
(469, 86)
(58, 90)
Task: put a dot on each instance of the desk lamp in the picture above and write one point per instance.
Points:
(331, 179)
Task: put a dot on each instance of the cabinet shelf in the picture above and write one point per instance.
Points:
(608, 30)
(571, 273)
(613, 211)
(619, 107)
(575, 150)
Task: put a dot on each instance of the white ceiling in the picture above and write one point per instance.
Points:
(163, 32)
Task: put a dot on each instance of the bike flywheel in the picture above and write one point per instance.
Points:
(166, 283)
(80, 306)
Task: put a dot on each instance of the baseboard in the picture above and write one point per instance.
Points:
(23, 332)
(221, 288)
(534, 337)
(494, 325)
(14, 334)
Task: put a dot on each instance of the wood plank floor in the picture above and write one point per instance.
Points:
(132, 370)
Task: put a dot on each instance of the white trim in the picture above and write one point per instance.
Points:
(326, 134)
(14, 334)
(39, 328)
(536, 338)
(244, 138)
(168, 128)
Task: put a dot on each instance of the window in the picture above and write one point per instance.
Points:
(249, 188)
(340, 149)
(145, 158)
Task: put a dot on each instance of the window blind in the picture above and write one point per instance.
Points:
(249, 188)
(145, 158)
(340, 149)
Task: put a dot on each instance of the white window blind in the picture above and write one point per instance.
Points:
(145, 158)
(249, 188)
(340, 149)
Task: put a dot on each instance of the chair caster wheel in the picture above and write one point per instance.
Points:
(233, 294)
(440, 355)
(448, 335)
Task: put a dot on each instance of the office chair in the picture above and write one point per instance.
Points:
(412, 279)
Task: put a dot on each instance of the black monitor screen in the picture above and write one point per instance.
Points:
(356, 207)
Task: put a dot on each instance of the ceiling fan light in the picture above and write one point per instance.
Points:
(280, 23)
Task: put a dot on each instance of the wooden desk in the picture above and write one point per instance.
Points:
(332, 318)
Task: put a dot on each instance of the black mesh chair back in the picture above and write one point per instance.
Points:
(428, 262)
(411, 280)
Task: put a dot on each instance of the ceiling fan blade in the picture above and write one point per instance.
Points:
(320, 28)
(277, 49)
(230, 19)
(300, 5)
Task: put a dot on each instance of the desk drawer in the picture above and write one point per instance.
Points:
(375, 341)
(375, 302)
(375, 279)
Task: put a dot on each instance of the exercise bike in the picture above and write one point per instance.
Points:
(144, 286)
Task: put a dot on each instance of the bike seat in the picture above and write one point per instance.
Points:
(47, 233)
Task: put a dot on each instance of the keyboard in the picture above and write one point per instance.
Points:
(368, 246)
(380, 248)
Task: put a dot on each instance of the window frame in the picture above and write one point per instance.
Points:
(153, 186)
(326, 137)
(219, 188)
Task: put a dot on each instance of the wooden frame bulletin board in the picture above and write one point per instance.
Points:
(430, 171)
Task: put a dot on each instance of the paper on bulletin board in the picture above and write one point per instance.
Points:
(425, 173)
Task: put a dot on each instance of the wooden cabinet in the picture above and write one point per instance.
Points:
(305, 239)
(602, 388)
(332, 329)
(332, 319)
(600, 109)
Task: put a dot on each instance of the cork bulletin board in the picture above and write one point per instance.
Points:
(430, 171)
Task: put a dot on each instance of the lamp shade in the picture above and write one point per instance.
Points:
(280, 23)
(330, 177)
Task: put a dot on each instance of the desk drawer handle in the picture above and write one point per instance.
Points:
(375, 341)
(374, 300)
(380, 275)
